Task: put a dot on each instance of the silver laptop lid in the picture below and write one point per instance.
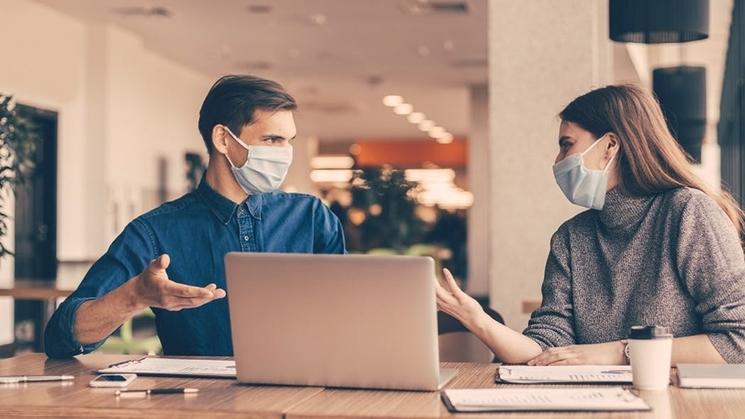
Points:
(334, 320)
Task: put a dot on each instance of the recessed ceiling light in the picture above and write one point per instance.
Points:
(403, 109)
(423, 50)
(446, 138)
(416, 117)
(448, 45)
(393, 100)
(435, 132)
(426, 125)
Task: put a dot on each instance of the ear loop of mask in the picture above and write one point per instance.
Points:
(607, 165)
(239, 141)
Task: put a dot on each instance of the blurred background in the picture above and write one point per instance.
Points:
(428, 126)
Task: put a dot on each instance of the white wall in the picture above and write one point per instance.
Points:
(120, 106)
(152, 106)
(44, 68)
(479, 183)
(541, 56)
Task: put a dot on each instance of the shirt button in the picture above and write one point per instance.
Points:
(246, 238)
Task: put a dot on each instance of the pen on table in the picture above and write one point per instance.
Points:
(14, 379)
(156, 391)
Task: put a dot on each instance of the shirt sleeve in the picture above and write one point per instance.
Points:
(329, 233)
(711, 264)
(127, 256)
(552, 324)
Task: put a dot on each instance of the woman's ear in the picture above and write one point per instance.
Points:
(219, 139)
(613, 145)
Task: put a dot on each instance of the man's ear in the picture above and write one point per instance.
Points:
(219, 139)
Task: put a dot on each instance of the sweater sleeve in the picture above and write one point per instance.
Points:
(552, 324)
(711, 264)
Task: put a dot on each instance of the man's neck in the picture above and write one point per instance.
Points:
(221, 179)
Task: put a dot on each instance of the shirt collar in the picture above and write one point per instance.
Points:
(222, 207)
(254, 204)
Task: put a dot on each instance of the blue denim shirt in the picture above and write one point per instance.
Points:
(196, 231)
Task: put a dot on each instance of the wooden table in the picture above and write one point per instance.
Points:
(37, 290)
(218, 398)
(225, 398)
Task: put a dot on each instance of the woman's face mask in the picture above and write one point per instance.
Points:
(582, 186)
(265, 168)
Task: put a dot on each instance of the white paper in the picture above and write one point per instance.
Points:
(523, 374)
(544, 399)
(186, 367)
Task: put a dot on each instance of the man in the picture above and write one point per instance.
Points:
(171, 258)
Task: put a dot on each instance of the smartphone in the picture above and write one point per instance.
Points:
(112, 380)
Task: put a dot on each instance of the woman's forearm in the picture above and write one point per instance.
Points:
(509, 346)
(695, 349)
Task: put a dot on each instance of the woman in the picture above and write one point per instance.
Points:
(656, 247)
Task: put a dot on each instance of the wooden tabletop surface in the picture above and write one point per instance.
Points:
(27, 289)
(225, 398)
(217, 398)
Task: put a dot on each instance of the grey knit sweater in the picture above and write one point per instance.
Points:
(670, 259)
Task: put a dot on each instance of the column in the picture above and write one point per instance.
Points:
(542, 54)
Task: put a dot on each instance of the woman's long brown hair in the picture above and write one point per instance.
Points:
(650, 160)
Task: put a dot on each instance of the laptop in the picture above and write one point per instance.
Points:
(352, 321)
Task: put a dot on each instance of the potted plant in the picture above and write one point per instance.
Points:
(18, 139)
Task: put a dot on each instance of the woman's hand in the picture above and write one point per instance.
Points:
(610, 353)
(453, 301)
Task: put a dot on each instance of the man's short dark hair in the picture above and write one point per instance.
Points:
(233, 99)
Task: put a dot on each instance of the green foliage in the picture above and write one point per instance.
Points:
(18, 139)
(386, 198)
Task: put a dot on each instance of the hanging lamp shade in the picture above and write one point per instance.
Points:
(682, 95)
(658, 21)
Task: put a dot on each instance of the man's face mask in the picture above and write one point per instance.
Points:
(265, 168)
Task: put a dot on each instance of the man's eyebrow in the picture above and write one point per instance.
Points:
(276, 137)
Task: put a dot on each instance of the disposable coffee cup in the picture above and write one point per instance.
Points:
(650, 349)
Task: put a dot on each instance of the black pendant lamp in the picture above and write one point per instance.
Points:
(682, 94)
(659, 21)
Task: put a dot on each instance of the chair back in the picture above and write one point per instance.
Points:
(458, 344)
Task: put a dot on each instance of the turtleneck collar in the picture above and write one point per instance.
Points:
(622, 210)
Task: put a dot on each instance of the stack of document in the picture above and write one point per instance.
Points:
(179, 367)
(576, 374)
(542, 399)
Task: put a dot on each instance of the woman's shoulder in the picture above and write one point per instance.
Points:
(681, 198)
(585, 221)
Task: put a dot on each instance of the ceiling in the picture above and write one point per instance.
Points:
(338, 57)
